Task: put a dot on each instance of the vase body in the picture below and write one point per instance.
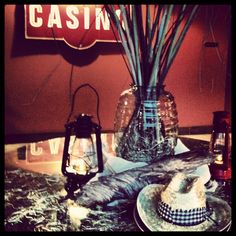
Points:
(146, 124)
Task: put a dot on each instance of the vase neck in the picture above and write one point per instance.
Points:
(148, 93)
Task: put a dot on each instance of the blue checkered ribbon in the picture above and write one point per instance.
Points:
(181, 217)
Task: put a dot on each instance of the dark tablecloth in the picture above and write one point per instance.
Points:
(33, 203)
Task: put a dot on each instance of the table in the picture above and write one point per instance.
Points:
(33, 203)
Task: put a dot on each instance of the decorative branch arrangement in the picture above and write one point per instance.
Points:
(151, 51)
(151, 36)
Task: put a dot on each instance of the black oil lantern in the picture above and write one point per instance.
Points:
(220, 146)
(83, 160)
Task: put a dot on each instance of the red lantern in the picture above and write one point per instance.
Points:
(220, 146)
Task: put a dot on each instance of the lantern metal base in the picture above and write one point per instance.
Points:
(71, 186)
(219, 173)
(75, 182)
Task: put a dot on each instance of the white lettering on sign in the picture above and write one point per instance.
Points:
(122, 22)
(101, 18)
(71, 11)
(52, 150)
(54, 145)
(54, 17)
(35, 21)
(86, 17)
(35, 150)
(80, 26)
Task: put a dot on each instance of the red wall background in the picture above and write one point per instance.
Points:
(41, 75)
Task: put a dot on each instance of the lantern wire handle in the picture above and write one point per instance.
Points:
(73, 101)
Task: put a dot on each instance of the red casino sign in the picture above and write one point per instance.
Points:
(80, 26)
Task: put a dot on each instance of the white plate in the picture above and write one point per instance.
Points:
(138, 221)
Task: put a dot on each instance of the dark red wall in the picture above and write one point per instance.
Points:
(38, 75)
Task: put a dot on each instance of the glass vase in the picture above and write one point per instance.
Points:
(146, 124)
